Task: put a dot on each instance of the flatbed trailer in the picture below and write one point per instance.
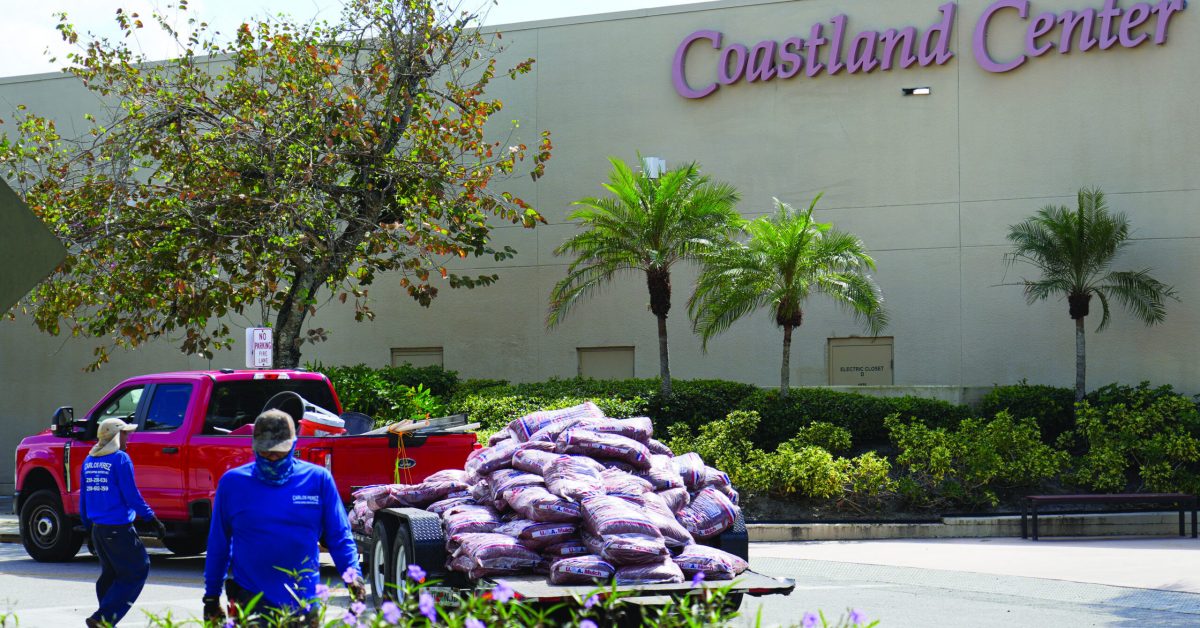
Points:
(410, 536)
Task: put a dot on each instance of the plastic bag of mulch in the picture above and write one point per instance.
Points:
(662, 473)
(527, 425)
(376, 497)
(538, 504)
(658, 572)
(574, 477)
(493, 554)
(481, 462)
(502, 480)
(637, 428)
(470, 519)
(537, 535)
(584, 442)
(658, 447)
(632, 549)
(715, 564)
(362, 517)
(675, 535)
(691, 468)
(442, 506)
(709, 514)
(457, 476)
(571, 547)
(502, 435)
(580, 570)
(425, 493)
(533, 460)
(675, 498)
(618, 482)
(607, 515)
(594, 543)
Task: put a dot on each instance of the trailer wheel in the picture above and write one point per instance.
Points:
(401, 555)
(46, 531)
(186, 545)
(734, 601)
(378, 563)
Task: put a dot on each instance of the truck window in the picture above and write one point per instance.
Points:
(123, 405)
(236, 404)
(167, 407)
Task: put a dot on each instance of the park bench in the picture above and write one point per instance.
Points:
(1184, 502)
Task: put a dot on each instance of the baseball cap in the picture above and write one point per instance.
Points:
(274, 431)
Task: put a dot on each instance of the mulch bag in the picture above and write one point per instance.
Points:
(632, 549)
(537, 535)
(502, 480)
(600, 445)
(662, 473)
(580, 570)
(469, 519)
(658, 447)
(376, 497)
(674, 534)
(658, 572)
(440, 507)
(709, 514)
(538, 504)
(606, 515)
(533, 460)
(448, 475)
(502, 435)
(495, 554)
(572, 547)
(618, 482)
(691, 468)
(595, 544)
(425, 493)
(484, 461)
(362, 517)
(527, 425)
(675, 498)
(574, 477)
(715, 564)
(637, 428)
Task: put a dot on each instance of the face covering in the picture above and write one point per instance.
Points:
(275, 472)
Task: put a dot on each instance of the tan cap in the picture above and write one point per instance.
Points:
(106, 436)
(274, 431)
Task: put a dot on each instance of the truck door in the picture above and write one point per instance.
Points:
(158, 447)
(120, 404)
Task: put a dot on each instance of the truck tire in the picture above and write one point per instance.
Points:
(186, 545)
(379, 561)
(402, 552)
(46, 532)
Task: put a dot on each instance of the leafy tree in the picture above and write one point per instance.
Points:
(647, 225)
(786, 258)
(247, 177)
(1074, 250)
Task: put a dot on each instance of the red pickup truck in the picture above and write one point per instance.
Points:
(188, 436)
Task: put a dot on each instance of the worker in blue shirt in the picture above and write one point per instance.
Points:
(268, 519)
(109, 501)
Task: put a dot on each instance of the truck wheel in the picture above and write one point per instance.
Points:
(734, 601)
(401, 555)
(186, 545)
(46, 531)
(378, 561)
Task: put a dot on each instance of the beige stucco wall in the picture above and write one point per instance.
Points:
(930, 183)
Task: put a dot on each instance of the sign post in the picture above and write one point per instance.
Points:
(28, 251)
(260, 344)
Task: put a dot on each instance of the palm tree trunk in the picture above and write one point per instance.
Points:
(785, 370)
(1080, 361)
(664, 359)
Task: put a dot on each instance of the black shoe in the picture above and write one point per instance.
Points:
(92, 622)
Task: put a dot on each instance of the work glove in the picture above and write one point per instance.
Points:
(358, 589)
(160, 530)
(213, 614)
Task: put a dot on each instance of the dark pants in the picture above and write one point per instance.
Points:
(124, 567)
(265, 615)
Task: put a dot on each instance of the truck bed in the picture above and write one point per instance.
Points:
(536, 587)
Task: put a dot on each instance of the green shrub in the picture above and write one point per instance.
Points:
(478, 386)
(1051, 406)
(698, 401)
(974, 463)
(1146, 441)
(384, 393)
(824, 435)
(495, 411)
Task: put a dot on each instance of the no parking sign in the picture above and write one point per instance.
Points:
(260, 343)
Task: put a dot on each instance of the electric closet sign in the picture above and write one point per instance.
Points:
(829, 48)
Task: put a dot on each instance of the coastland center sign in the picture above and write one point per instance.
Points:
(868, 51)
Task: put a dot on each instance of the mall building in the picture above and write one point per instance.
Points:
(930, 127)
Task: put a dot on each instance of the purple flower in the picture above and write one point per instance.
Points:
(591, 601)
(416, 573)
(229, 623)
(357, 608)
(349, 575)
(391, 612)
(502, 593)
(698, 578)
(809, 621)
(350, 619)
(587, 623)
(857, 617)
(473, 623)
(323, 592)
(427, 606)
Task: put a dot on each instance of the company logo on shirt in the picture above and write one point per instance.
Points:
(306, 500)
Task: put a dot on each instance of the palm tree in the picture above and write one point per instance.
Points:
(647, 225)
(786, 258)
(1074, 250)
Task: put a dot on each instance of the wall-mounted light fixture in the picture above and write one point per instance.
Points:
(916, 91)
(654, 166)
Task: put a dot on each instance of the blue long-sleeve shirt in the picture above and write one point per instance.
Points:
(107, 492)
(259, 530)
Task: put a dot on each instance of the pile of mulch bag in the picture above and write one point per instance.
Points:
(579, 496)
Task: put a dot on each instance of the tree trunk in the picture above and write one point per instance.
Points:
(1080, 361)
(290, 321)
(664, 360)
(785, 370)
